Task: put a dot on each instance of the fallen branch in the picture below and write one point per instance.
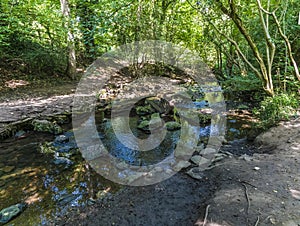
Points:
(247, 197)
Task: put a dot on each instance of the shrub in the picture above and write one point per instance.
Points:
(242, 83)
(274, 109)
(37, 59)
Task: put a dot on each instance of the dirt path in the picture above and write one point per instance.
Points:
(25, 104)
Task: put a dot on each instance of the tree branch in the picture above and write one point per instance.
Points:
(239, 51)
(286, 40)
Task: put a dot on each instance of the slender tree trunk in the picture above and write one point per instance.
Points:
(71, 68)
(263, 72)
(284, 37)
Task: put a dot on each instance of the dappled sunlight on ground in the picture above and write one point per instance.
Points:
(33, 198)
(16, 83)
(295, 193)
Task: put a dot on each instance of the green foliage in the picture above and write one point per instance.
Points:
(37, 59)
(241, 83)
(31, 32)
(36, 32)
(280, 107)
(47, 148)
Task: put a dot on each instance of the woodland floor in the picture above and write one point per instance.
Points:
(259, 189)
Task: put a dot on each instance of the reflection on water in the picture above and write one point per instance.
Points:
(136, 157)
(141, 158)
(26, 175)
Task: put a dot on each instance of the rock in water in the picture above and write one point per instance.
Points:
(160, 105)
(61, 139)
(155, 121)
(196, 173)
(9, 213)
(20, 134)
(62, 161)
(171, 126)
(46, 126)
(144, 125)
(67, 198)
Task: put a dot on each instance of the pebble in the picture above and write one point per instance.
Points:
(61, 139)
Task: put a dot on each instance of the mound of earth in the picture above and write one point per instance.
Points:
(262, 189)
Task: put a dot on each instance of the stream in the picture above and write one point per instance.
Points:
(52, 187)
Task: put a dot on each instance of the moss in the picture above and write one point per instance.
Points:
(144, 110)
(171, 126)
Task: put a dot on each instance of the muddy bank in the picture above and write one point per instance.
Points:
(176, 201)
(262, 189)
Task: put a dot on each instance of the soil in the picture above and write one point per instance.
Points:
(260, 187)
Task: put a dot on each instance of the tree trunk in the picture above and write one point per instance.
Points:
(285, 38)
(71, 67)
(263, 72)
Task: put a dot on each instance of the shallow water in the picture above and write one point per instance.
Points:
(31, 176)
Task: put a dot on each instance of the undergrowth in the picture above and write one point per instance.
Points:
(282, 106)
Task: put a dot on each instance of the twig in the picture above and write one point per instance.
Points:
(206, 215)
(247, 197)
(256, 223)
(246, 182)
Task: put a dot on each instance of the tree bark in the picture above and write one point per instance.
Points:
(71, 67)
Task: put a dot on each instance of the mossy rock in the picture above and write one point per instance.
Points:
(47, 148)
(160, 105)
(144, 110)
(204, 118)
(46, 126)
(171, 126)
(144, 125)
(155, 122)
